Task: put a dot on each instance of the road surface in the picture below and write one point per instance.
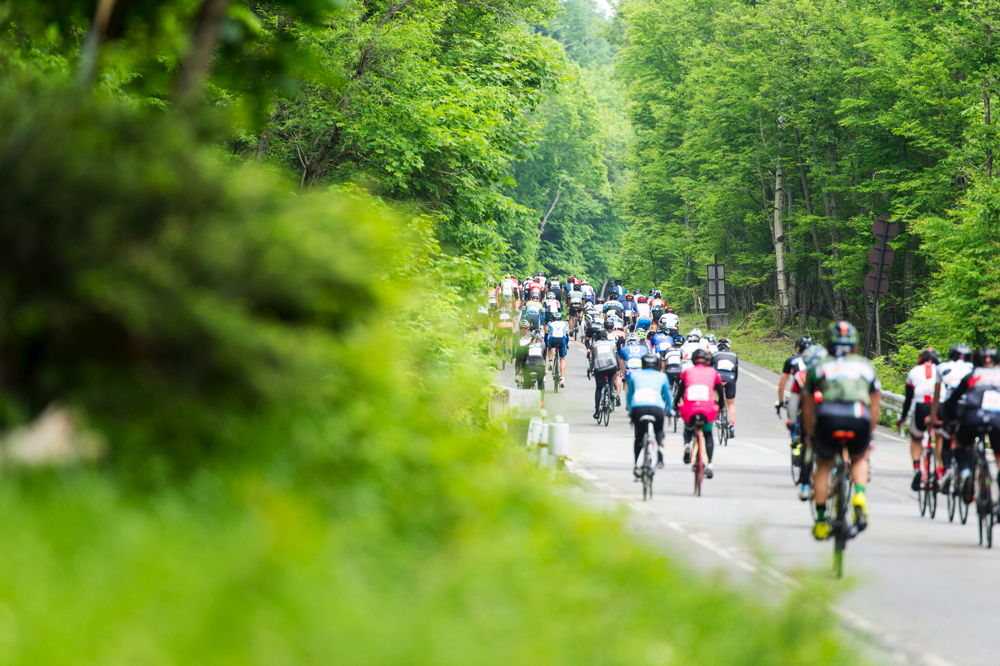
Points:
(920, 591)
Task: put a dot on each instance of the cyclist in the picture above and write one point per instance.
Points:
(503, 325)
(802, 446)
(661, 343)
(629, 306)
(615, 307)
(923, 393)
(672, 322)
(727, 365)
(630, 356)
(521, 350)
(700, 392)
(792, 365)
(643, 318)
(657, 306)
(555, 287)
(535, 290)
(492, 298)
(713, 343)
(648, 395)
(557, 340)
(551, 306)
(974, 406)
(533, 313)
(693, 343)
(574, 301)
(605, 359)
(618, 291)
(956, 368)
(850, 391)
(534, 364)
(588, 292)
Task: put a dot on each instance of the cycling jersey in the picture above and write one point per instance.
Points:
(662, 343)
(604, 353)
(588, 293)
(673, 321)
(618, 292)
(551, 305)
(686, 350)
(558, 329)
(922, 379)
(632, 355)
(952, 373)
(698, 393)
(847, 379)
(629, 307)
(507, 288)
(647, 388)
(616, 307)
(672, 357)
(642, 309)
(727, 361)
(793, 364)
(576, 298)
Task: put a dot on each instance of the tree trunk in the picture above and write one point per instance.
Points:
(824, 286)
(779, 243)
(196, 66)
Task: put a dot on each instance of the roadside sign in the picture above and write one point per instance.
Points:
(883, 226)
(872, 279)
(873, 255)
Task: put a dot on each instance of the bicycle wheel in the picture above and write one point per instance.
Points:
(796, 466)
(842, 521)
(608, 406)
(931, 472)
(952, 502)
(984, 500)
(963, 508)
(724, 425)
(922, 485)
(699, 467)
(647, 471)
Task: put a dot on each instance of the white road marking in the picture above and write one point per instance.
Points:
(758, 446)
(744, 371)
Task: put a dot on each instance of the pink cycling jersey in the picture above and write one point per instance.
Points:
(699, 392)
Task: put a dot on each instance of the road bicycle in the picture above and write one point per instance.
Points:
(985, 504)
(648, 446)
(557, 369)
(927, 490)
(722, 423)
(698, 452)
(607, 404)
(842, 525)
(797, 449)
(675, 399)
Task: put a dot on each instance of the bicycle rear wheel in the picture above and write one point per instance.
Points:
(608, 406)
(984, 500)
(647, 471)
(841, 522)
(932, 488)
(699, 467)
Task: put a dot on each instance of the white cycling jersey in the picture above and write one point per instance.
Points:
(672, 320)
(952, 373)
(923, 378)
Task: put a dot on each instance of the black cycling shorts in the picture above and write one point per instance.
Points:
(975, 422)
(673, 374)
(730, 379)
(533, 374)
(849, 416)
(921, 410)
(575, 309)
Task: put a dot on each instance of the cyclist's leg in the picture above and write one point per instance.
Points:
(709, 441)
(562, 357)
(600, 378)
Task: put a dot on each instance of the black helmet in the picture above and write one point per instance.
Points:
(803, 343)
(841, 337)
(618, 280)
(541, 273)
(609, 324)
(929, 354)
(724, 345)
(600, 300)
(701, 357)
(650, 361)
(601, 334)
(960, 351)
(984, 355)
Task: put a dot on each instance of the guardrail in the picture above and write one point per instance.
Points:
(499, 408)
(892, 402)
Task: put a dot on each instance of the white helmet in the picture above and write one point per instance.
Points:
(632, 339)
(694, 335)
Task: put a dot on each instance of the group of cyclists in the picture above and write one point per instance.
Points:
(634, 346)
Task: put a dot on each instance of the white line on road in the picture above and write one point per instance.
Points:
(758, 446)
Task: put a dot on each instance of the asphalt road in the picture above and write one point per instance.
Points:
(918, 591)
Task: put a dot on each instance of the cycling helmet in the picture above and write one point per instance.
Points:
(600, 334)
(551, 294)
(929, 354)
(632, 339)
(609, 323)
(841, 338)
(984, 355)
(524, 323)
(701, 357)
(725, 345)
(557, 315)
(638, 292)
(584, 281)
(640, 299)
(694, 335)
(803, 343)
(712, 339)
(618, 281)
(629, 297)
(960, 351)
(600, 301)
(541, 274)
(679, 340)
(668, 309)
(813, 354)
(651, 361)
(657, 294)
(663, 321)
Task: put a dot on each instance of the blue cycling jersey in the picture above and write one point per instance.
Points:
(648, 388)
(662, 342)
(632, 355)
